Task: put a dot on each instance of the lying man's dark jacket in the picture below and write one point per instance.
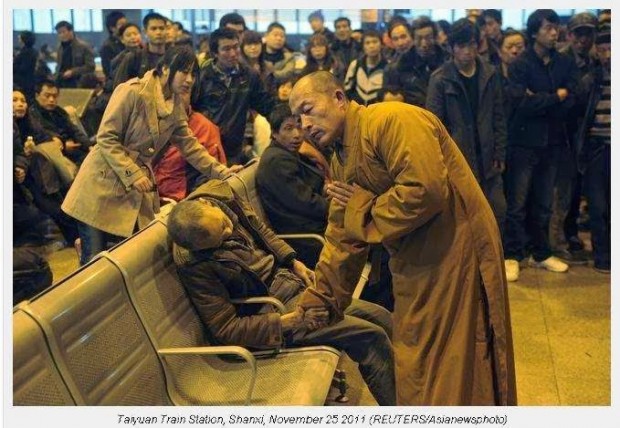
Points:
(212, 278)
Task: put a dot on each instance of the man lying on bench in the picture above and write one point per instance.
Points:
(224, 252)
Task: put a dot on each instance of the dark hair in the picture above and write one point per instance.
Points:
(222, 33)
(397, 21)
(275, 25)
(342, 19)
(28, 38)
(178, 58)
(45, 82)
(232, 18)
(19, 89)
(423, 22)
(185, 224)
(251, 38)
(124, 28)
(153, 16)
(463, 32)
(112, 19)
(536, 18)
(371, 33)
(278, 115)
(494, 14)
(509, 32)
(179, 24)
(316, 14)
(311, 63)
(444, 26)
(64, 24)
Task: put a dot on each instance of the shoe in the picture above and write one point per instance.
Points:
(572, 257)
(512, 270)
(552, 264)
(602, 269)
(575, 244)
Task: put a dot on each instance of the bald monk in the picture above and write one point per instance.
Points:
(406, 185)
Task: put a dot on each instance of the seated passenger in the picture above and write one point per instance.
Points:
(173, 175)
(290, 186)
(223, 252)
(36, 180)
(56, 121)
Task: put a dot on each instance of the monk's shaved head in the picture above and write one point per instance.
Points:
(320, 102)
(319, 82)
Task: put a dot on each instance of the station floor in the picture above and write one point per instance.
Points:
(561, 332)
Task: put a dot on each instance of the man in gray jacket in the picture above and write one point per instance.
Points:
(74, 57)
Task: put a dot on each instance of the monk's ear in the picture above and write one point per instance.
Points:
(341, 98)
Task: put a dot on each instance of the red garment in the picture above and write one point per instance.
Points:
(170, 170)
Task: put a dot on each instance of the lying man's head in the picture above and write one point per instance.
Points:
(198, 225)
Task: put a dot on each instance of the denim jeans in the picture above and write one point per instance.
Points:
(94, 241)
(530, 177)
(364, 334)
(598, 190)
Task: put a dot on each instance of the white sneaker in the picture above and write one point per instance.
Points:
(552, 264)
(512, 270)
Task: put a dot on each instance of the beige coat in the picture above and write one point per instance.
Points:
(136, 126)
(453, 341)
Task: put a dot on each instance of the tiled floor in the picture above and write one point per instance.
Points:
(561, 329)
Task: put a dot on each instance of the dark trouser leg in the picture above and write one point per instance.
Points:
(50, 204)
(368, 345)
(571, 230)
(543, 180)
(365, 337)
(520, 166)
(493, 189)
(379, 289)
(598, 191)
(562, 198)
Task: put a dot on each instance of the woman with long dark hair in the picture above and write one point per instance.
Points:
(114, 192)
(320, 57)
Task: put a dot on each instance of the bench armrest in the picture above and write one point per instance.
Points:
(261, 300)
(312, 236)
(219, 350)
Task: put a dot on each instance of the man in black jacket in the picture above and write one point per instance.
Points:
(290, 186)
(136, 63)
(227, 89)
(224, 252)
(563, 230)
(466, 94)
(409, 76)
(56, 121)
(344, 46)
(594, 141)
(543, 84)
(75, 58)
(112, 45)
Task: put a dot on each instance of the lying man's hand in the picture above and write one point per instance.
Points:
(315, 318)
(292, 320)
(305, 274)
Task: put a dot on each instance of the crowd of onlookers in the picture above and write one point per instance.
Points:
(530, 110)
